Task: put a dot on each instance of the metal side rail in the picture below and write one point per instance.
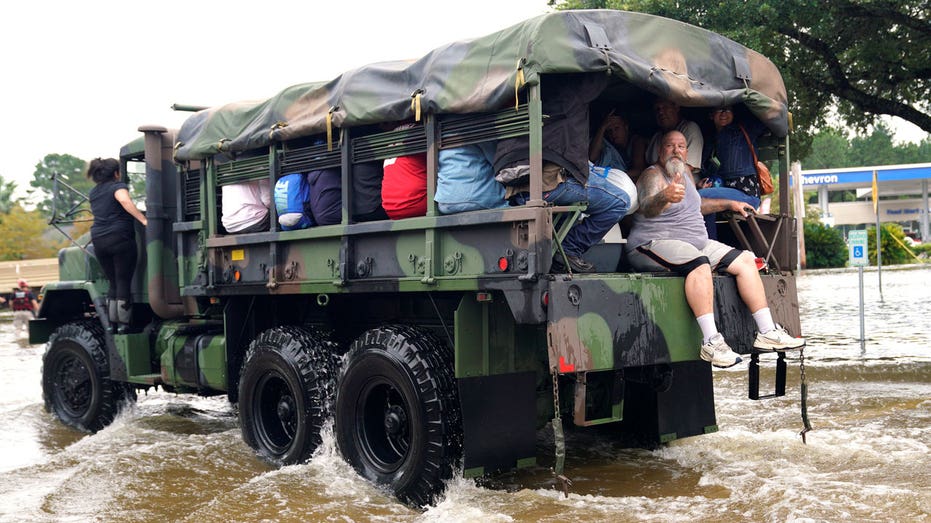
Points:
(758, 235)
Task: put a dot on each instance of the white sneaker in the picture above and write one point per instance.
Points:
(777, 340)
(719, 353)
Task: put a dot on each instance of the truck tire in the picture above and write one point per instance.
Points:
(398, 421)
(76, 385)
(285, 388)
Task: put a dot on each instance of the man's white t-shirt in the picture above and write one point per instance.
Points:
(693, 140)
(245, 204)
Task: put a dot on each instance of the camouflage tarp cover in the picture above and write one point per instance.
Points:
(690, 65)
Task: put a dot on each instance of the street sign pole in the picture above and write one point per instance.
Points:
(879, 250)
(862, 321)
(856, 245)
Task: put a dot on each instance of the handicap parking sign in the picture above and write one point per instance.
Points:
(856, 241)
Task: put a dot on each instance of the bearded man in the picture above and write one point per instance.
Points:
(668, 234)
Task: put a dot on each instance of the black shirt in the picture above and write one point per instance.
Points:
(109, 216)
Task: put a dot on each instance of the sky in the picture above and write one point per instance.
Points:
(80, 78)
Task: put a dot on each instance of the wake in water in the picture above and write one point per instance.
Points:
(182, 458)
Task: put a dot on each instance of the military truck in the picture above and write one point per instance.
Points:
(437, 344)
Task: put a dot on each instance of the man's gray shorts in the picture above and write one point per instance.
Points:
(680, 257)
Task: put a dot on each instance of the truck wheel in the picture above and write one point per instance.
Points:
(284, 394)
(76, 385)
(397, 412)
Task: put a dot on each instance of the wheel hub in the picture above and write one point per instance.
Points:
(74, 390)
(395, 420)
(285, 409)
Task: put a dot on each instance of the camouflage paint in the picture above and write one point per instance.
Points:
(690, 65)
(191, 358)
(613, 321)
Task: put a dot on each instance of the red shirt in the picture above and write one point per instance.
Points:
(404, 188)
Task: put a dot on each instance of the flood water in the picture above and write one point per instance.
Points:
(181, 458)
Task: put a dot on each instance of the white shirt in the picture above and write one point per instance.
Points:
(245, 204)
(693, 140)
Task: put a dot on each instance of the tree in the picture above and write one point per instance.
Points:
(917, 152)
(829, 149)
(70, 170)
(22, 236)
(875, 148)
(864, 58)
(6, 196)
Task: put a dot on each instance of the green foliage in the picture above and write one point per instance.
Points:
(812, 214)
(6, 196)
(863, 58)
(830, 149)
(892, 251)
(22, 235)
(70, 170)
(922, 250)
(824, 246)
(875, 148)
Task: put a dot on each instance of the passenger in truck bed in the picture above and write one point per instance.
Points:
(366, 185)
(669, 118)
(326, 197)
(404, 186)
(466, 179)
(565, 99)
(613, 145)
(668, 234)
(245, 206)
(729, 165)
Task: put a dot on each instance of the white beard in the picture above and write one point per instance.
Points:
(676, 165)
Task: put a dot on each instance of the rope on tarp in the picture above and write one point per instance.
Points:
(416, 98)
(519, 81)
(278, 125)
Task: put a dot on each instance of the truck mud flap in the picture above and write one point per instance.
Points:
(665, 403)
(498, 422)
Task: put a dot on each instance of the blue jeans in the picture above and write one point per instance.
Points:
(727, 193)
(607, 204)
(724, 193)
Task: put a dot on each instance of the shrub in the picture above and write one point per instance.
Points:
(922, 250)
(892, 251)
(824, 246)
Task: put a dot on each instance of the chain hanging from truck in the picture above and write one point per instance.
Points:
(804, 395)
(559, 439)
